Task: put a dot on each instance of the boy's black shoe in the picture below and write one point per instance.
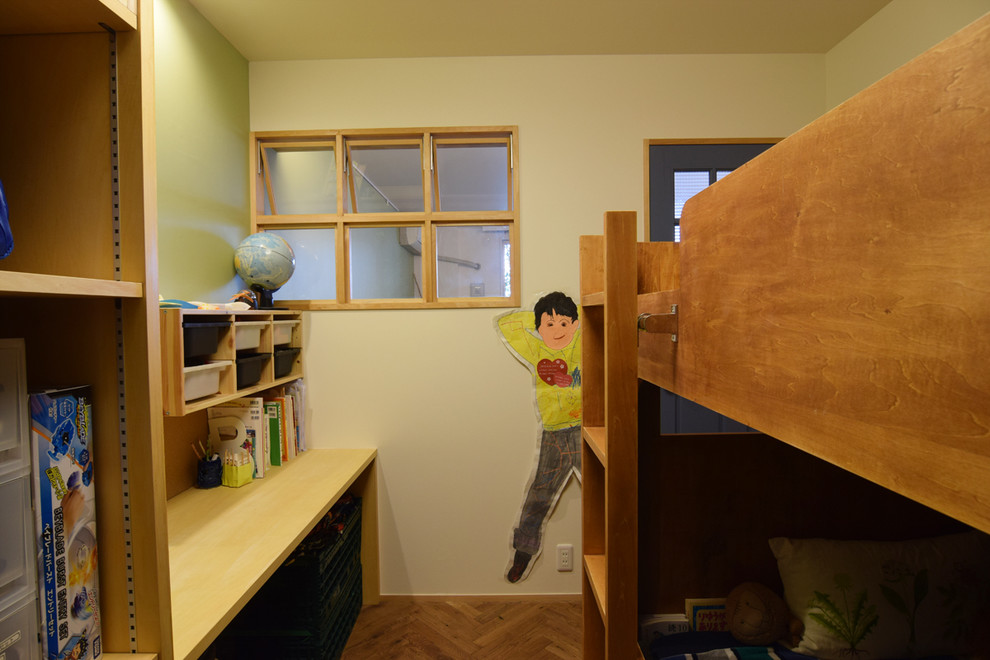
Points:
(519, 564)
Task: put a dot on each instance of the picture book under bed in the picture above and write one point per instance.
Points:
(834, 294)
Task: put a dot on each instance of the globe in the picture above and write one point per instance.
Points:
(265, 262)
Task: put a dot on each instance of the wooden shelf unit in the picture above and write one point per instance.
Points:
(174, 362)
(81, 290)
(78, 169)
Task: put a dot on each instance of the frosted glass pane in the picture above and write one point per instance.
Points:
(472, 262)
(303, 180)
(472, 177)
(315, 277)
(387, 179)
(385, 262)
(686, 185)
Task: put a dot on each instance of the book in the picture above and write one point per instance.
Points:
(706, 614)
(660, 625)
(273, 415)
(240, 424)
(297, 389)
(290, 426)
(65, 522)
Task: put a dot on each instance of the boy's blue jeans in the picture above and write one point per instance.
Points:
(560, 454)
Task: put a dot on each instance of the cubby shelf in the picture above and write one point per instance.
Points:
(269, 332)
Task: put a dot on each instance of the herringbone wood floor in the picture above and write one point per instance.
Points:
(467, 628)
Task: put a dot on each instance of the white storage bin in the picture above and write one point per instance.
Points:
(203, 379)
(247, 334)
(282, 331)
(19, 630)
(14, 424)
(17, 567)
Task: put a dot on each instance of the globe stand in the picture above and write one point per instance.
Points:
(265, 297)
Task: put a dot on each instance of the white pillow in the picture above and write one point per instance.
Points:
(882, 599)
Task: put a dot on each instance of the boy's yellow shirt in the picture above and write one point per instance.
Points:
(558, 372)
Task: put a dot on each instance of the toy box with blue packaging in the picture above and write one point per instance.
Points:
(65, 523)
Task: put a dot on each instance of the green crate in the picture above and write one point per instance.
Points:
(307, 609)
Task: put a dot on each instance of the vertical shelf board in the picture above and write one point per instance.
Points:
(180, 461)
(366, 487)
(146, 467)
(621, 479)
(592, 455)
(134, 177)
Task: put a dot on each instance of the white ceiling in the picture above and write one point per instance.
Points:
(338, 29)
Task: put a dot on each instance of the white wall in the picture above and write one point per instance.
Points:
(448, 407)
(897, 33)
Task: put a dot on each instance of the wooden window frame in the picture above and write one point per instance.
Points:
(428, 219)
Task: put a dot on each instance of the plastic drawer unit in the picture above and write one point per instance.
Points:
(17, 568)
(247, 334)
(19, 629)
(201, 337)
(203, 379)
(13, 407)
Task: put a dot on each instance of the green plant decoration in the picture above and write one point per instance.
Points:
(913, 588)
(965, 595)
(852, 622)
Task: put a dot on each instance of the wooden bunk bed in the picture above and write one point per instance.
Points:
(833, 293)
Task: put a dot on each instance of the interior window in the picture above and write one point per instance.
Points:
(471, 261)
(303, 178)
(472, 174)
(384, 176)
(390, 218)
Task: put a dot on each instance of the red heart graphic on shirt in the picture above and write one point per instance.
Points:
(553, 372)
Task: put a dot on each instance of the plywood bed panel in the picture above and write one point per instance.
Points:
(709, 504)
(835, 291)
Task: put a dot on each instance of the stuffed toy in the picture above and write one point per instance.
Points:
(756, 615)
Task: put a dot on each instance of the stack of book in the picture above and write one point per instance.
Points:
(269, 427)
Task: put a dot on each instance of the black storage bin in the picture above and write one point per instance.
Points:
(307, 609)
(284, 358)
(201, 338)
(249, 367)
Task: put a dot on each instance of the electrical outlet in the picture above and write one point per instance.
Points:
(565, 557)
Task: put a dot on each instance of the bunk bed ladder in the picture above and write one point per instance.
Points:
(610, 440)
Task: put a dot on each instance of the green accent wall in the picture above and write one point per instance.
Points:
(202, 126)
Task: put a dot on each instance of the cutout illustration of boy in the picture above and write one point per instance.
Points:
(548, 341)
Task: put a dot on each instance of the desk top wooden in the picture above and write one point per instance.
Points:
(224, 543)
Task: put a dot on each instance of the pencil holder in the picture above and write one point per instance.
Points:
(237, 475)
(208, 473)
